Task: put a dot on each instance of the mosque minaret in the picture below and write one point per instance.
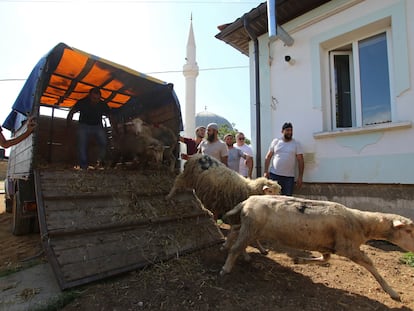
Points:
(190, 72)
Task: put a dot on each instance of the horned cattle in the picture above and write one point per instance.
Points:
(326, 227)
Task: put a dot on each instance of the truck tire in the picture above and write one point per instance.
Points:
(20, 225)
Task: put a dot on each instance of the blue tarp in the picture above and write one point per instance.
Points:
(25, 100)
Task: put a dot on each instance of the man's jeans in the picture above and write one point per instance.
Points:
(85, 132)
(287, 183)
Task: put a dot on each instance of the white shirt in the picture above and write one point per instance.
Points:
(243, 169)
(284, 156)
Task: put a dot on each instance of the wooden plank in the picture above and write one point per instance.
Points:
(20, 159)
(92, 235)
(92, 226)
(76, 184)
(142, 237)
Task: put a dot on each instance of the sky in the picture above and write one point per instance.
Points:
(147, 36)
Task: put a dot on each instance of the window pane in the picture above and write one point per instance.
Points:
(375, 84)
(342, 91)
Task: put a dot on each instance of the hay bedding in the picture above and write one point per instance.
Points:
(110, 220)
(130, 188)
(125, 196)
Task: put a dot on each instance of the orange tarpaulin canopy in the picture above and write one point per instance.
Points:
(66, 74)
(76, 72)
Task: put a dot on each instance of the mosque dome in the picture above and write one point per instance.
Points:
(205, 117)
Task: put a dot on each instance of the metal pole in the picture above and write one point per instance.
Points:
(253, 36)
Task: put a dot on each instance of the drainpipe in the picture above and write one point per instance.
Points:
(253, 37)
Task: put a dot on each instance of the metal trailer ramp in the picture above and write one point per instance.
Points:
(97, 224)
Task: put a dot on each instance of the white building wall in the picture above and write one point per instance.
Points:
(299, 93)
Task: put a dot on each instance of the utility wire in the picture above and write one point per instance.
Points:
(133, 1)
(155, 72)
(205, 69)
(11, 80)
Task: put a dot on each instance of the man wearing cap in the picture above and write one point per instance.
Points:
(213, 146)
(282, 155)
(191, 143)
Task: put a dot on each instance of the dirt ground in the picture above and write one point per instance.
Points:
(15, 251)
(271, 282)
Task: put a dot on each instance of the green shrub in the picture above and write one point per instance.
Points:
(408, 259)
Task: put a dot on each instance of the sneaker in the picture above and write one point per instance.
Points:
(78, 168)
(99, 166)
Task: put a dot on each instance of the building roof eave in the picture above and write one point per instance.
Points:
(236, 35)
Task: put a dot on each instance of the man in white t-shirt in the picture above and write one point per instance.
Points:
(245, 166)
(213, 146)
(282, 155)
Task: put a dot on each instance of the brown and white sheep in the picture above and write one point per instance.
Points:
(326, 227)
(162, 133)
(218, 187)
(170, 142)
(147, 143)
(142, 150)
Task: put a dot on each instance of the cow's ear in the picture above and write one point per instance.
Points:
(396, 223)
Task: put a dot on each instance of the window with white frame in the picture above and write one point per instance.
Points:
(360, 82)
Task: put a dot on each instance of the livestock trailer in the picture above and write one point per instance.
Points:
(97, 223)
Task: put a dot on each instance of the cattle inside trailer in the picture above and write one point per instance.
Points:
(94, 223)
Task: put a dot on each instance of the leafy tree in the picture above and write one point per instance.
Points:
(224, 129)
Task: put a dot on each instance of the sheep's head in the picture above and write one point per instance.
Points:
(402, 233)
(258, 186)
(271, 187)
(270, 191)
(206, 162)
(137, 123)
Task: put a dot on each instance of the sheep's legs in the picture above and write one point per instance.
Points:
(171, 193)
(179, 185)
(172, 162)
(363, 260)
(231, 238)
(324, 258)
(260, 247)
(236, 249)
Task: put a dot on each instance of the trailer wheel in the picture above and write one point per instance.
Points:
(20, 225)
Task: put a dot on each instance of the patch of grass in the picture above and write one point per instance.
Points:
(20, 266)
(408, 259)
(10, 270)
